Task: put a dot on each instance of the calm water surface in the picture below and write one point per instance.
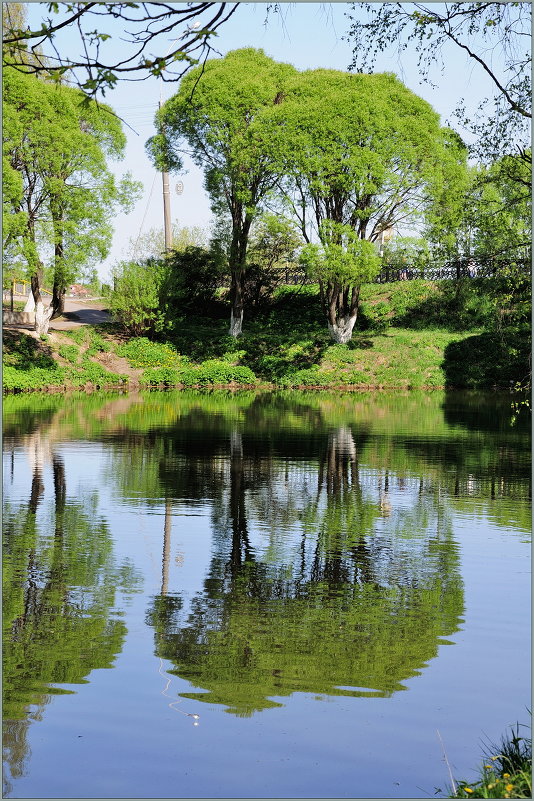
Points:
(261, 595)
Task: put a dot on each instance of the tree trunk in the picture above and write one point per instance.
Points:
(341, 329)
(58, 301)
(238, 255)
(42, 314)
(341, 312)
(12, 305)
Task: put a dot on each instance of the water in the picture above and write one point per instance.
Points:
(261, 595)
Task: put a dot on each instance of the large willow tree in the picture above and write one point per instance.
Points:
(218, 118)
(362, 153)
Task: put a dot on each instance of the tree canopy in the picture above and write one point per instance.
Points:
(493, 36)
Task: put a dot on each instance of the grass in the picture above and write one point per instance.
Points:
(409, 335)
(506, 771)
(29, 364)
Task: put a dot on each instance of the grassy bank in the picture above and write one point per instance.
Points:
(506, 771)
(410, 335)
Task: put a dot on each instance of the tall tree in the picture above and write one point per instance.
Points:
(63, 194)
(365, 153)
(217, 116)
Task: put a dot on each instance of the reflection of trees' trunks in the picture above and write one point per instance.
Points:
(340, 461)
(60, 486)
(166, 548)
(238, 515)
(37, 489)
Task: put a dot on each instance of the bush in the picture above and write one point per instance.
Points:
(212, 371)
(191, 278)
(141, 352)
(33, 378)
(156, 376)
(135, 299)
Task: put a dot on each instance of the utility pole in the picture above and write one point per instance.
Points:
(167, 227)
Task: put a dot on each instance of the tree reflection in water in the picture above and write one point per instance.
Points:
(358, 613)
(59, 592)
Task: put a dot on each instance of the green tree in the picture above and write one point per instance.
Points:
(218, 114)
(68, 194)
(341, 265)
(363, 151)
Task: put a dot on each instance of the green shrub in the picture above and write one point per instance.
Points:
(155, 376)
(141, 352)
(212, 371)
(32, 378)
(135, 299)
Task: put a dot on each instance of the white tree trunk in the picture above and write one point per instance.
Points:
(236, 324)
(42, 317)
(341, 331)
(30, 303)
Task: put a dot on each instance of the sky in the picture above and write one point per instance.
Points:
(307, 35)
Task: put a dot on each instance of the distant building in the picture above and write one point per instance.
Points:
(79, 291)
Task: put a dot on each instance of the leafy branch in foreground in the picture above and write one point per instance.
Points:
(190, 26)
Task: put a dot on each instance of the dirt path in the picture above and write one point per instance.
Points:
(77, 313)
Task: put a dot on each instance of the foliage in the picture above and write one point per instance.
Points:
(481, 31)
(136, 296)
(363, 151)
(211, 371)
(70, 353)
(192, 276)
(342, 258)
(141, 352)
(506, 772)
(99, 68)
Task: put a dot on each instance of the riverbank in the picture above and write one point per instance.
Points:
(505, 773)
(401, 342)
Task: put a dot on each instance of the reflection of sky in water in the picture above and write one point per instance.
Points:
(310, 744)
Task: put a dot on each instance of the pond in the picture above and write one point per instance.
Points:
(261, 595)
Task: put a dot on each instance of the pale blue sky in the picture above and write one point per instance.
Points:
(307, 35)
